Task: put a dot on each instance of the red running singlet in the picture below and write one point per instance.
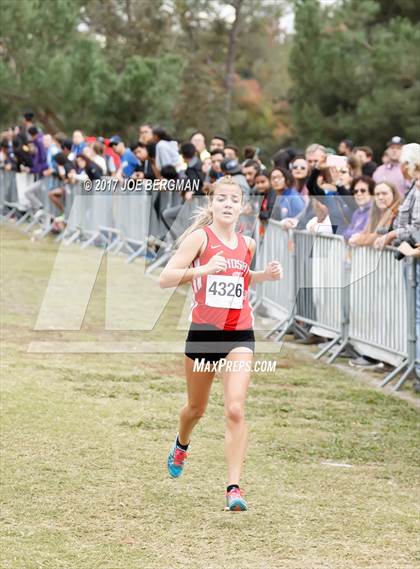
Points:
(221, 299)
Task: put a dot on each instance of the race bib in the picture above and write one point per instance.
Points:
(224, 291)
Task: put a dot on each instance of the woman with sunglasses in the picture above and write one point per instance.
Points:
(385, 204)
(362, 190)
(299, 169)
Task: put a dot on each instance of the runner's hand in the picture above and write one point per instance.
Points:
(274, 271)
(217, 264)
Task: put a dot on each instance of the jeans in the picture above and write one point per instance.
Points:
(32, 195)
(169, 216)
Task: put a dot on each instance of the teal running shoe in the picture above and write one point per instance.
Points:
(176, 461)
(235, 500)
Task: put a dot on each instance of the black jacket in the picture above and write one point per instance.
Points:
(369, 168)
(194, 173)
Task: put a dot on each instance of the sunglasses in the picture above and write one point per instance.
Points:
(360, 191)
(296, 167)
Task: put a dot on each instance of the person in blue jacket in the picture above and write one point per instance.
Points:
(129, 162)
(289, 203)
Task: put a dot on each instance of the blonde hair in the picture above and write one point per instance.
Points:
(204, 215)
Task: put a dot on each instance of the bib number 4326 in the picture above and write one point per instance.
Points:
(225, 291)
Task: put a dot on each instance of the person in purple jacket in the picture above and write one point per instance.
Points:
(39, 167)
(362, 190)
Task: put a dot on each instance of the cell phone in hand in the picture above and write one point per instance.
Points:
(335, 161)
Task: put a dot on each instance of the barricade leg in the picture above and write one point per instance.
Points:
(279, 330)
(404, 376)
(328, 347)
(97, 235)
(141, 249)
(393, 373)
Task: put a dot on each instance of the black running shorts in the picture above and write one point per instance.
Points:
(207, 342)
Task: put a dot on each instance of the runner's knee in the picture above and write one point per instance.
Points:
(196, 411)
(235, 412)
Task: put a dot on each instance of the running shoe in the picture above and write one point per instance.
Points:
(176, 460)
(235, 501)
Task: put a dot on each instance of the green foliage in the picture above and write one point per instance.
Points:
(350, 70)
(146, 91)
(354, 75)
(107, 65)
(65, 75)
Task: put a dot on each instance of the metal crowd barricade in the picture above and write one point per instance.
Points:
(313, 290)
(412, 287)
(13, 196)
(184, 219)
(278, 296)
(320, 286)
(88, 215)
(382, 309)
(99, 218)
(8, 190)
(71, 190)
(45, 218)
(131, 213)
(367, 304)
(74, 214)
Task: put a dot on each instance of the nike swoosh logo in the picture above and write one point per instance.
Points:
(214, 246)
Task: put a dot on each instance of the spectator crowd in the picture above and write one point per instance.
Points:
(341, 191)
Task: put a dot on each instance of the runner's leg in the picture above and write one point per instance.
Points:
(235, 390)
(198, 391)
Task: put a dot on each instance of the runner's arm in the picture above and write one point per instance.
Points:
(255, 276)
(177, 270)
(259, 276)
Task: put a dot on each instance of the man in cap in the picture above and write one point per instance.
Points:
(233, 168)
(391, 172)
(129, 162)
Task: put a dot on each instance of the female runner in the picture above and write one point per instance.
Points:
(216, 259)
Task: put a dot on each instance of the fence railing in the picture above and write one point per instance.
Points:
(356, 297)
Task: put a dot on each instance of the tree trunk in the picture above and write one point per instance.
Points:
(230, 60)
(129, 12)
(49, 120)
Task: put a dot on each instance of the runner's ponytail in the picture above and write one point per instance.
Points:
(203, 217)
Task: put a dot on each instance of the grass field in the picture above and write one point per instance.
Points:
(85, 439)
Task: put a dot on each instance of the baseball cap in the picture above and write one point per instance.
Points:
(396, 140)
(230, 166)
(115, 140)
